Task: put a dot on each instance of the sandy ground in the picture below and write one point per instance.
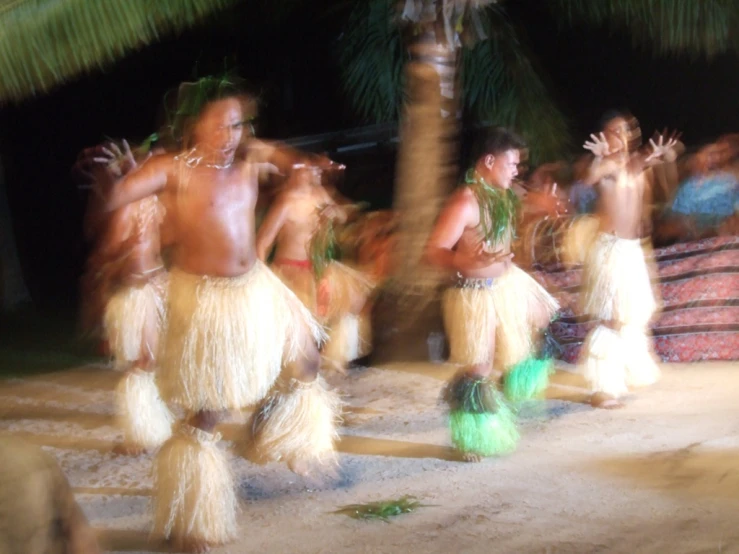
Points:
(660, 476)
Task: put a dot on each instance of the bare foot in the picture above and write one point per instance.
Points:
(605, 401)
(334, 365)
(126, 449)
(190, 545)
(299, 467)
(471, 457)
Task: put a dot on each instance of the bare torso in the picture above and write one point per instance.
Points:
(147, 216)
(293, 239)
(621, 203)
(472, 241)
(211, 217)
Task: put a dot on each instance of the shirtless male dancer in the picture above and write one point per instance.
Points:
(129, 262)
(617, 282)
(493, 309)
(296, 222)
(232, 325)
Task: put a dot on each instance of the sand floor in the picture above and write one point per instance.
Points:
(660, 476)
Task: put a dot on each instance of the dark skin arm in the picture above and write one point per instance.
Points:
(458, 215)
(149, 179)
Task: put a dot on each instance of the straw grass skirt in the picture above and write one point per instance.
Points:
(227, 339)
(617, 282)
(618, 290)
(507, 311)
(297, 423)
(300, 279)
(127, 314)
(142, 415)
(196, 497)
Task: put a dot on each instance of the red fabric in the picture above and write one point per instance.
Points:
(302, 264)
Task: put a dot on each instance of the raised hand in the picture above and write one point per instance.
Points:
(90, 167)
(663, 148)
(598, 145)
(119, 162)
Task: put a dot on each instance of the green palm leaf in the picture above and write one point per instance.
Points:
(371, 60)
(46, 42)
(503, 86)
(669, 26)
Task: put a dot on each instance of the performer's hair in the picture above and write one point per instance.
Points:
(499, 140)
(193, 97)
(635, 138)
(610, 115)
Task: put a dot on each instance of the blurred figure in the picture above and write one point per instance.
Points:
(583, 196)
(545, 198)
(707, 202)
(375, 244)
(300, 222)
(493, 310)
(232, 325)
(129, 264)
(39, 514)
(617, 289)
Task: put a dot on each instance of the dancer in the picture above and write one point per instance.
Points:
(617, 286)
(130, 260)
(38, 512)
(493, 309)
(232, 325)
(301, 224)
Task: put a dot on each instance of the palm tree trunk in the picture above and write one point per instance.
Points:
(408, 311)
(13, 290)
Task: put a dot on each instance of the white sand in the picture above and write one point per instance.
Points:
(660, 476)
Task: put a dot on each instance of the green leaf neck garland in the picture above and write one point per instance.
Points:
(324, 247)
(498, 208)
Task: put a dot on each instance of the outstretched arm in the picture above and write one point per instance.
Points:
(270, 228)
(284, 157)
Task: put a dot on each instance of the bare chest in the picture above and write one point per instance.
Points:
(622, 194)
(212, 198)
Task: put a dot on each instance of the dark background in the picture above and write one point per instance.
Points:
(296, 72)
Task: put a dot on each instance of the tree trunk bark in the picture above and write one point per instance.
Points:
(408, 311)
(13, 290)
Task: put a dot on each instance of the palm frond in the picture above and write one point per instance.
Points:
(692, 27)
(46, 42)
(503, 86)
(371, 60)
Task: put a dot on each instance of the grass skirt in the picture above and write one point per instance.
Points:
(618, 289)
(507, 311)
(615, 360)
(617, 282)
(343, 290)
(344, 341)
(300, 280)
(297, 423)
(227, 339)
(145, 419)
(127, 314)
(195, 497)
(579, 239)
(480, 420)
